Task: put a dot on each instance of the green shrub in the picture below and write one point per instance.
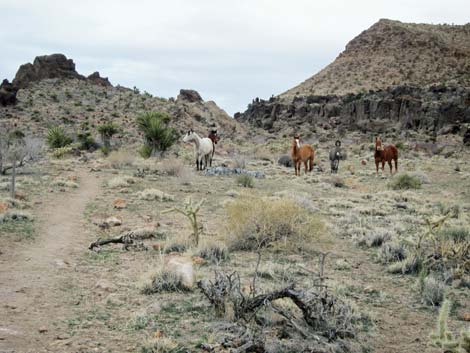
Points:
(245, 180)
(214, 252)
(87, 142)
(432, 290)
(145, 151)
(57, 137)
(455, 234)
(405, 182)
(157, 134)
(164, 281)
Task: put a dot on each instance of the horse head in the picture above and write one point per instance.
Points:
(214, 136)
(378, 144)
(338, 143)
(296, 142)
(189, 136)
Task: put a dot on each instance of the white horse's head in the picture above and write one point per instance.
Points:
(189, 136)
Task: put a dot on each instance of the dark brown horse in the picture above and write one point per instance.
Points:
(214, 138)
(301, 154)
(385, 154)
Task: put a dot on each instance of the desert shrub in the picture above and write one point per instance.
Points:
(65, 183)
(145, 151)
(119, 182)
(373, 239)
(410, 264)
(106, 131)
(444, 209)
(164, 281)
(239, 162)
(214, 252)
(405, 182)
(120, 159)
(173, 168)
(245, 180)
(432, 290)
(455, 234)
(86, 141)
(163, 345)
(57, 137)
(14, 216)
(337, 182)
(392, 252)
(154, 194)
(257, 222)
(61, 152)
(157, 134)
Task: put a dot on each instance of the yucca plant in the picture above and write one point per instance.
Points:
(157, 134)
(106, 131)
(57, 137)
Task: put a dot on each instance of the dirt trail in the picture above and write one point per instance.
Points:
(30, 276)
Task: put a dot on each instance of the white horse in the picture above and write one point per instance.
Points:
(204, 148)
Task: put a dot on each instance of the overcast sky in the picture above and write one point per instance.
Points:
(230, 51)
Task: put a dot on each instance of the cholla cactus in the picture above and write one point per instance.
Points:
(444, 339)
(190, 210)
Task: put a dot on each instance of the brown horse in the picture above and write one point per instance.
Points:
(214, 138)
(301, 154)
(385, 154)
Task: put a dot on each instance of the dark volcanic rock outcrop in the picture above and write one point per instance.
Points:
(47, 66)
(98, 80)
(402, 107)
(189, 95)
(7, 93)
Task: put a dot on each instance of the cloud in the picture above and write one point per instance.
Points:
(231, 51)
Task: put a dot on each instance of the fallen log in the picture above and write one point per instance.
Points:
(129, 238)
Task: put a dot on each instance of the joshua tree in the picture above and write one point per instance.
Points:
(107, 131)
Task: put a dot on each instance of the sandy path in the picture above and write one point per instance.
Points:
(30, 276)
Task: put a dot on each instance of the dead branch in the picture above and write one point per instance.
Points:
(131, 238)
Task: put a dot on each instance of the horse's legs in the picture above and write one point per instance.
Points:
(390, 165)
(396, 165)
(383, 166)
(197, 162)
(305, 166)
(311, 164)
(376, 168)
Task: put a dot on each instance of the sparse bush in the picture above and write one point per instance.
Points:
(120, 182)
(432, 290)
(405, 182)
(145, 151)
(154, 194)
(157, 134)
(120, 159)
(337, 182)
(409, 265)
(214, 252)
(57, 137)
(392, 252)
(176, 246)
(239, 162)
(14, 216)
(164, 281)
(61, 152)
(455, 234)
(245, 180)
(258, 222)
(173, 168)
(87, 142)
(163, 345)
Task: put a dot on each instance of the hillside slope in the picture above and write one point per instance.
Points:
(51, 92)
(394, 53)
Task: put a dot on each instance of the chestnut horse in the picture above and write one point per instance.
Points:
(385, 154)
(301, 154)
(214, 138)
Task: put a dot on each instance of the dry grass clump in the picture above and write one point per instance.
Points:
(65, 183)
(163, 281)
(163, 345)
(239, 162)
(405, 182)
(214, 252)
(14, 216)
(392, 252)
(120, 159)
(375, 238)
(432, 290)
(255, 222)
(154, 194)
(120, 182)
(245, 180)
(173, 167)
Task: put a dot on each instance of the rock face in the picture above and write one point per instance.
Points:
(47, 66)
(189, 95)
(402, 107)
(98, 80)
(7, 93)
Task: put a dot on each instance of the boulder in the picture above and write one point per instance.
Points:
(7, 93)
(98, 80)
(285, 161)
(46, 66)
(182, 267)
(189, 95)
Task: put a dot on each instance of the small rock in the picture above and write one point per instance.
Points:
(119, 203)
(20, 196)
(466, 316)
(363, 162)
(183, 267)
(158, 247)
(105, 286)
(43, 329)
(3, 207)
(113, 221)
(197, 260)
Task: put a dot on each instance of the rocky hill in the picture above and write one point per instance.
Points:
(400, 77)
(51, 92)
(394, 53)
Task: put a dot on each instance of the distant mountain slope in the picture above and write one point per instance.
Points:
(394, 53)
